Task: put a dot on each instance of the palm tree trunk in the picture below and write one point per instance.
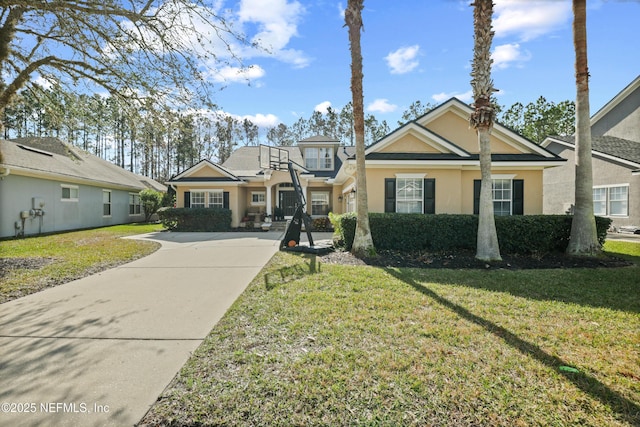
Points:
(362, 242)
(488, 248)
(584, 237)
(481, 119)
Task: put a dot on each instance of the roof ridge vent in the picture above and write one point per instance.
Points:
(35, 150)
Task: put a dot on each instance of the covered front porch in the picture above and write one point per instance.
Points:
(278, 201)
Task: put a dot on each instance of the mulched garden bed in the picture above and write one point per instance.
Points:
(464, 259)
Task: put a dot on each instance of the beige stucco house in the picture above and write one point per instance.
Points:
(429, 165)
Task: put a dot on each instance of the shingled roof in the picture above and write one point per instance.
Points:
(611, 145)
(245, 161)
(52, 158)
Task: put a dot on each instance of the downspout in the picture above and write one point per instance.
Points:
(4, 172)
(176, 192)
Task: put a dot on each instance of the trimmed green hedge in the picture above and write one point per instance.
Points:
(196, 219)
(518, 234)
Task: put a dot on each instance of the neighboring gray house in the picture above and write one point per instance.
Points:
(615, 135)
(47, 185)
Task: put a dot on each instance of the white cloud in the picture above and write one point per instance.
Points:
(297, 58)
(43, 82)
(341, 10)
(462, 96)
(529, 19)
(381, 105)
(277, 23)
(237, 74)
(505, 55)
(263, 120)
(269, 24)
(322, 107)
(403, 60)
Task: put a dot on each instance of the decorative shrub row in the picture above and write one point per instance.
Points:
(518, 234)
(196, 219)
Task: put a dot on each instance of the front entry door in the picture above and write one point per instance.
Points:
(288, 202)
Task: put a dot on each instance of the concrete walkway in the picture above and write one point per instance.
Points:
(98, 351)
(628, 237)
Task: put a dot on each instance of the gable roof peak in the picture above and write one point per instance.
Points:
(204, 163)
(619, 97)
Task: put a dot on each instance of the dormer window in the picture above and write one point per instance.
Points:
(318, 158)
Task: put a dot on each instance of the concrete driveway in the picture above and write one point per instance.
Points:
(98, 351)
(635, 238)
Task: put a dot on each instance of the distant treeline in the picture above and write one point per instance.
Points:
(159, 142)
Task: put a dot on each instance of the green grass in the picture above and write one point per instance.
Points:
(68, 256)
(624, 249)
(316, 344)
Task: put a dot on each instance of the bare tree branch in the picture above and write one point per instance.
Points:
(129, 47)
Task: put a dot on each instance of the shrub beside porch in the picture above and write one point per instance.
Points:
(196, 219)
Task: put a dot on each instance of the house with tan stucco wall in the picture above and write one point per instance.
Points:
(429, 165)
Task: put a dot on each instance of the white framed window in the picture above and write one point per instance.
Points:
(207, 199)
(135, 204)
(326, 158)
(319, 203)
(215, 199)
(318, 158)
(611, 200)
(311, 158)
(258, 198)
(197, 199)
(409, 194)
(106, 202)
(619, 201)
(70, 193)
(600, 201)
(501, 191)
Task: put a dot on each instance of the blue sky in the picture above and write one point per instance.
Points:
(419, 50)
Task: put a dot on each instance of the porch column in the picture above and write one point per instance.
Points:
(306, 199)
(269, 209)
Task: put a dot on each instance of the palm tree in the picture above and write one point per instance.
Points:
(482, 120)
(584, 238)
(362, 242)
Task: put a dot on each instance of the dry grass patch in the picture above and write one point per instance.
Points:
(34, 263)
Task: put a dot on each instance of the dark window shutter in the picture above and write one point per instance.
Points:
(389, 194)
(225, 200)
(429, 195)
(187, 199)
(518, 197)
(476, 196)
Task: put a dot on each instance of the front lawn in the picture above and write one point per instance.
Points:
(31, 264)
(318, 344)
